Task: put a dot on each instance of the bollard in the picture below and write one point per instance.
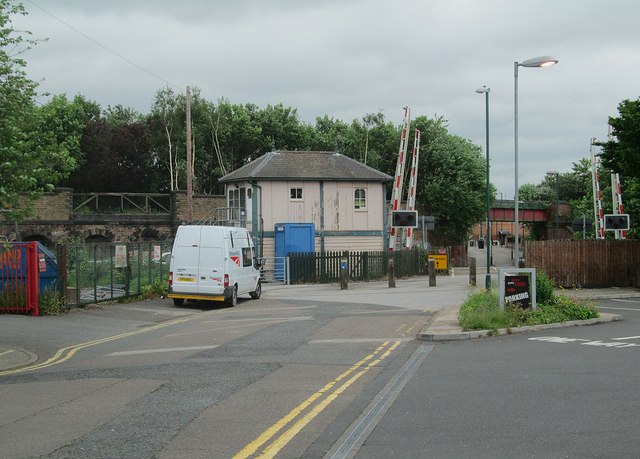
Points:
(432, 273)
(472, 271)
(344, 274)
(392, 279)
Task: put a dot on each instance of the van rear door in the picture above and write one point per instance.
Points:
(184, 260)
(212, 258)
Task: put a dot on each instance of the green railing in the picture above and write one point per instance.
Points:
(324, 267)
(89, 273)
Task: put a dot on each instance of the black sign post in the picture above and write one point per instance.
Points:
(516, 290)
(517, 286)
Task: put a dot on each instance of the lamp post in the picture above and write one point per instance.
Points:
(484, 90)
(542, 61)
(557, 174)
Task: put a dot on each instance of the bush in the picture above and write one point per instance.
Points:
(481, 312)
(159, 287)
(50, 303)
(544, 289)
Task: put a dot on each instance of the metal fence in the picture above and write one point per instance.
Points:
(89, 273)
(19, 278)
(324, 267)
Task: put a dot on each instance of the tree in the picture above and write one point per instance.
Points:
(116, 159)
(451, 180)
(166, 121)
(621, 154)
(33, 157)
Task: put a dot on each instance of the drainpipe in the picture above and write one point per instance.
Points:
(322, 216)
(256, 218)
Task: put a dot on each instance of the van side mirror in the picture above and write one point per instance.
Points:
(258, 262)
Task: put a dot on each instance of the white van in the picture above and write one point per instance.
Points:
(213, 263)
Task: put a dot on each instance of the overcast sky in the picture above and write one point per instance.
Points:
(348, 58)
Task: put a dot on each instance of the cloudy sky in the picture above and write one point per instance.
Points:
(346, 58)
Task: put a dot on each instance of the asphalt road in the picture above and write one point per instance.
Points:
(310, 379)
(151, 380)
(568, 392)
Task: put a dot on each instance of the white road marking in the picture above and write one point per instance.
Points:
(356, 340)
(224, 327)
(583, 342)
(627, 337)
(619, 309)
(625, 301)
(171, 349)
(263, 319)
(6, 352)
(164, 312)
(283, 308)
(382, 311)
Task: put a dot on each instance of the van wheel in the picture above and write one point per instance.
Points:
(257, 292)
(178, 301)
(233, 299)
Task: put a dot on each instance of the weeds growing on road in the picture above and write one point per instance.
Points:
(481, 310)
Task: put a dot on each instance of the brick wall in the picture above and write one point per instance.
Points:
(54, 206)
(202, 206)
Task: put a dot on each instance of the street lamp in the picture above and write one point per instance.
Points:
(542, 61)
(557, 174)
(484, 90)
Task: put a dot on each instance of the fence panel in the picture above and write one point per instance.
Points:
(324, 267)
(19, 278)
(587, 263)
(103, 272)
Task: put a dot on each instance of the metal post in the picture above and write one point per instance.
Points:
(472, 271)
(344, 272)
(486, 90)
(392, 279)
(515, 144)
(432, 272)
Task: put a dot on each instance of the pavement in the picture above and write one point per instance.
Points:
(443, 301)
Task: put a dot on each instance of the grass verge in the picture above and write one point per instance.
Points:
(481, 312)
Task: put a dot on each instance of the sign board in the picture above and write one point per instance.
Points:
(517, 286)
(42, 263)
(156, 253)
(442, 263)
(428, 222)
(121, 256)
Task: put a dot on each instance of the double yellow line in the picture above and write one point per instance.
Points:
(315, 404)
(66, 353)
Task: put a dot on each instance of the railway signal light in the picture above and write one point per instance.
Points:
(616, 222)
(405, 218)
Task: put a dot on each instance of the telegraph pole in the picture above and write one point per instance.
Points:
(189, 168)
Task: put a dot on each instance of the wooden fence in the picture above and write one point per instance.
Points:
(324, 267)
(587, 263)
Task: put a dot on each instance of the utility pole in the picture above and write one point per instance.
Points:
(189, 168)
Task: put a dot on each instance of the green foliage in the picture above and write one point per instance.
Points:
(544, 289)
(51, 303)
(451, 180)
(481, 312)
(158, 288)
(33, 158)
(621, 154)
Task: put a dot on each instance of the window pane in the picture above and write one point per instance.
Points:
(360, 198)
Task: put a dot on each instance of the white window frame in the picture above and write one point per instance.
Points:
(357, 199)
(296, 198)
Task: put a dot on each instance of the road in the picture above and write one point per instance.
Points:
(568, 392)
(172, 382)
(310, 378)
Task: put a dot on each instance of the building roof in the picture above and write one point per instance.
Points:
(305, 166)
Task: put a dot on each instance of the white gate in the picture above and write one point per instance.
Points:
(275, 270)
